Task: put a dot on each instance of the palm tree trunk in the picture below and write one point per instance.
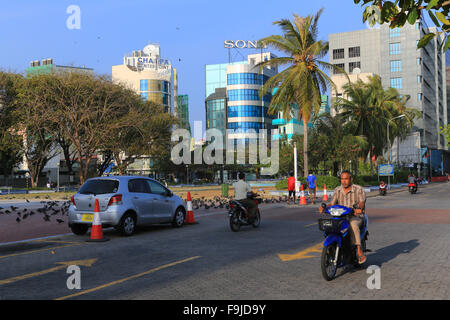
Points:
(305, 147)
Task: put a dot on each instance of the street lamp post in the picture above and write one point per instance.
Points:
(57, 177)
(389, 145)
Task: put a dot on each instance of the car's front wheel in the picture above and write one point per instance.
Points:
(127, 224)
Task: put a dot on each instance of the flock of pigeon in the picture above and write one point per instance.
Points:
(223, 202)
(49, 209)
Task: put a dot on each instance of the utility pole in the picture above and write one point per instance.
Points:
(295, 167)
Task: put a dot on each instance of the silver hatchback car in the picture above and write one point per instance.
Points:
(125, 202)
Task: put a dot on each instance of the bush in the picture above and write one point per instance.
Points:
(331, 182)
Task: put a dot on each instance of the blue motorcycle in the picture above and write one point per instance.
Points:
(338, 250)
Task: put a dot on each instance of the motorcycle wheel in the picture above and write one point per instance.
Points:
(235, 225)
(257, 220)
(328, 267)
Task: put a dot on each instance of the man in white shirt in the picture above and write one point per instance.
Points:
(240, 194)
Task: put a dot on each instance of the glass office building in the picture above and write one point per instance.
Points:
(233, 98)
(182, 112)
(216, 111)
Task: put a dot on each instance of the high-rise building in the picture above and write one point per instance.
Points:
(393, 55)
(233, 92)
(288, 128)
(150, 75)
(216, 111)
(182, 111)
(47, 66)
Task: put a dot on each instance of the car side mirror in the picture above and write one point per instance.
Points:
(169, 193)
(323, 205)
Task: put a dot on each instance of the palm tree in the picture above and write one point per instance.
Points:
(333, 135)
(368, 107)
(301, 84)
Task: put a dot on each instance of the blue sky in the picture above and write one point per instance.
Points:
(190, 30)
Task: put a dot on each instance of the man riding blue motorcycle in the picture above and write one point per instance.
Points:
(351, 196)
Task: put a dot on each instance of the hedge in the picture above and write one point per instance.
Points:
(331, 182)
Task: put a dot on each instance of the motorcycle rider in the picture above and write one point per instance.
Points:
(348, 195)
(412, 179)
(240, 194)
(382, 187)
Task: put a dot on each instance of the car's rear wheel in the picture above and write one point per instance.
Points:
(127, 224)
(79, 229)
(178, 219)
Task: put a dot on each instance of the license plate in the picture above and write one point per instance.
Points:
(87, 217)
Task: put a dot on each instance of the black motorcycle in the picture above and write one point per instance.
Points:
(238, 213)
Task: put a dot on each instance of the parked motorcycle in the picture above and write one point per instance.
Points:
(238, 213)
(338, 249)
(382, 189)
(412, 187)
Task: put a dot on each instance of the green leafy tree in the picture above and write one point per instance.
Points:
(446, 132)
(397, 13)
(302, 82)
(367, 109)
(10, 142)
(39, 143)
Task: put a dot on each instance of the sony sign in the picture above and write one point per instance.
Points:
(241, 44)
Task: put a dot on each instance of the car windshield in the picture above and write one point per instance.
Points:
(99, 187)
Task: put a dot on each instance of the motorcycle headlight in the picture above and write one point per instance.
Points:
(336, 211)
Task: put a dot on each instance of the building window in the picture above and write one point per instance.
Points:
(394, 32)
(246, 94)
(417, 25)
(144, 96)
(396, 83)
(144, 85)
(338, 54)
(353, 52)
(246, 111)
(246, 78)
(419, 79)
(395, 48)
(353, 65)
(419, 97)
(339, 65)
(396, 66)
(419, 61)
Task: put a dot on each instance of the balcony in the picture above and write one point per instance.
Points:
(278, 122)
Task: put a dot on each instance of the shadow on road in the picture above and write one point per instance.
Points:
(389, 253)
(383, 255)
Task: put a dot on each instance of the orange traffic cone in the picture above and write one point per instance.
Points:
(302, 195)
(96, 230)
(190, 214)
(325, 196)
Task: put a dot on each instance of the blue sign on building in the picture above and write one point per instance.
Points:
(386, 170)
